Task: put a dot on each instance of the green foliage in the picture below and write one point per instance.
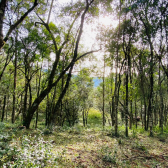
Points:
(24, 150)
(162, 136)
(76, 129)
(109, 156)
(138, 145)
(134, 133)
(47, 131)
(5, 137)
(72, 9)
(94, 114)
(120, 141)
(32, 152)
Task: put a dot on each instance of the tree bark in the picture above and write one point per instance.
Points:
(14, 85)
(103, 93)
(3, 5)
(126, 104)
(3, 109)
(38, 83)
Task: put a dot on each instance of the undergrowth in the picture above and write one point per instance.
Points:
(80, 146)
(18, 148)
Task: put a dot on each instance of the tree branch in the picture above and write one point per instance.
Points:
(13, 27)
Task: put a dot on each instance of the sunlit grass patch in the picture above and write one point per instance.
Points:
(94, 118)
(94, 114)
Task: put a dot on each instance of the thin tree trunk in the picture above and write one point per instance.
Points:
(136, 114)
(47, 121)
(62, 86)
(130, 77)
(3, 109)
(3, 5)
(103, 94)
(38, 83)
(143, 93)
(83, 114)
(116, 82)
(161, 101)
(14, 86)
(7, 107)
(112, 102)
(126, 113)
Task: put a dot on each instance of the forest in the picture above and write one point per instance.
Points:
(84, 83)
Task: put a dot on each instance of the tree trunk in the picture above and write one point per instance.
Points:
(57, 106)
(144, 115)
(38, 83)
(161, 101)
(103, 94)
(116, 82)
(51, 84)
(3, 109)
(83, 114)
(14, 85)
(126, 103)
(136, 114)
(3, 5)
(150, 106)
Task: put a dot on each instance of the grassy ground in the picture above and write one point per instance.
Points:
(79, 147)
(95, 148)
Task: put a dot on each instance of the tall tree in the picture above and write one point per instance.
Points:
(58, 51)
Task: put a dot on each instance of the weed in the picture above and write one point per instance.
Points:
(108, 157)
(47, 131)
(141, 130)
(138, 145)
(134, 132)
(120, 141)
(162, 137)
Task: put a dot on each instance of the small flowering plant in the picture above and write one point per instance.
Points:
(31, 152)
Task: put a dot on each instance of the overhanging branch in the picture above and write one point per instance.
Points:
(13, 27)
